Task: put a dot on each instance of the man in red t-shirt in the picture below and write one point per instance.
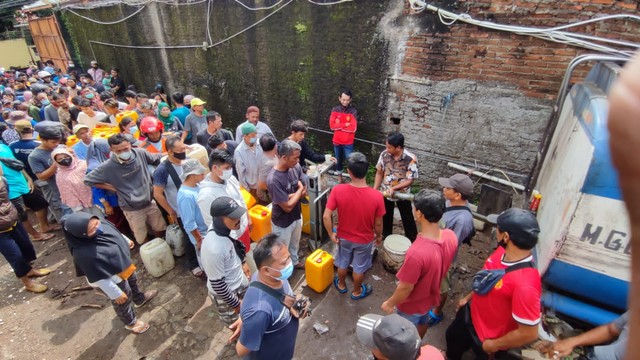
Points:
(425, 264)
(508, 315)
(344, 123)
(358, 225)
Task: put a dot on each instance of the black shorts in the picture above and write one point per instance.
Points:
(35, 200)
(22, 210)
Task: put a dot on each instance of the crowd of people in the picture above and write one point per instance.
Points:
(104, 192)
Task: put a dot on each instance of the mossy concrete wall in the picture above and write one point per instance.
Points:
(291, 65)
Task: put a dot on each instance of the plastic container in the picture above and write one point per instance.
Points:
(319, 270)
(157, 257)
(72, 140)
(199, 152)
(249, 199)
(394, 250)
(132, 114)
(261, 220)
(176, 240)
(306, 218)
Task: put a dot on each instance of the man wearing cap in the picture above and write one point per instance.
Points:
(95, 71)
(11, 135)
(223, 259)
(286, 185)
(266, 327)
(83, 133)
(246, 156)
(457, 190)
(192, 174)
(508, 315)
(426, 263)
(253, 117)
(127, 173)
(195, 121)
(393, 337)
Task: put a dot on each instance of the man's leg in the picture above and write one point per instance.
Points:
(125, 311)
(294, 245)
(155, 220)
(387, 219)
(362, 260)
(408, 222)
(342, 262)
(136, 220)
(190, 250)
(458, 337)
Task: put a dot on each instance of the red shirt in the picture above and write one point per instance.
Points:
(514, 299)
(358, 208)
(425, 265)
(343, 121)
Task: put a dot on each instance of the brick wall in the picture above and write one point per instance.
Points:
(483, 97)
(536, 66)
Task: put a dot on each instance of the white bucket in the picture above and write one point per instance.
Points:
(157, 257)
(176, 240)
(394, 250)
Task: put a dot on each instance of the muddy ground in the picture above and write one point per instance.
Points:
(55, 325)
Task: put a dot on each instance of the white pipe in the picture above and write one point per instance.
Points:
(485, 176)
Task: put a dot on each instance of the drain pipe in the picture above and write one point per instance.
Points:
(485, 176)
(409, 196)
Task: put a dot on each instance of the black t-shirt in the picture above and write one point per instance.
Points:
(121, 87)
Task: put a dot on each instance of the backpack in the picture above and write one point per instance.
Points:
(485, 280)
(469, 237)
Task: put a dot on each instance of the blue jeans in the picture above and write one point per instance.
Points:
(16, 247)
(342, 153)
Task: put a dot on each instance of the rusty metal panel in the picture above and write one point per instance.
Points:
(599, 237)
(49, 42)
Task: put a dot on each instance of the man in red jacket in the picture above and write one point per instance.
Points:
(343, 121)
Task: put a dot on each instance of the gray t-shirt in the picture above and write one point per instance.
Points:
(194, 123)
(459, 221)
(281, 184)
(162, 178)
(615, 350)
(219, 260)
(51, 113)
(40, 160)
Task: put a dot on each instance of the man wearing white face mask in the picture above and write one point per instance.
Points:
(126, 172)
(221, 182)
(246, 156)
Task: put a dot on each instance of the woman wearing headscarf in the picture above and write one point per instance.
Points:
(15, 245)
(168, 119)
(103, 255)
(70, 181)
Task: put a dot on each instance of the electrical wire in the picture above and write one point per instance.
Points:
(258, 8)
(331, 3)
(108, 22)
(209, 39)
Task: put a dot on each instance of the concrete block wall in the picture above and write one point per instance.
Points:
(477, 96)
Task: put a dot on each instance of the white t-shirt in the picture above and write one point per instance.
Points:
(91, 122)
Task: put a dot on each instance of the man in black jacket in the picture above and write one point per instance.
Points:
(298, 129)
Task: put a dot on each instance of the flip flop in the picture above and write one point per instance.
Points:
(41, 272)
(54, 227)
(335, 283)
(433, 318)
(44, 237)
(147, 296)
(197, 272)
(367, 289)
(36, 288)
(138, 328)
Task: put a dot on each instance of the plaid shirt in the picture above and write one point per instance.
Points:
(396, 171)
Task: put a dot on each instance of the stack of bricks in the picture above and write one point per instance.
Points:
(534, 65)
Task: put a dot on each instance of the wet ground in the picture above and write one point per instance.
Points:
(59, 325)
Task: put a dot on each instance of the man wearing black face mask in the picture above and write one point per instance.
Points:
(507, 316)
(166, 182)
(223, 259)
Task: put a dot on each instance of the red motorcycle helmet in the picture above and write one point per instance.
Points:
(149, 124)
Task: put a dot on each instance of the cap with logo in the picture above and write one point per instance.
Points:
(192, 167)
(460, 182)
(521, 224)
(394, 336)
(226, 206)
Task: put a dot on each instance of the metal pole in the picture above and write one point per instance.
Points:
(409, 196)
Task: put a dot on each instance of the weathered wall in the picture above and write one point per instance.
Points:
(468, 94)
(290, 65)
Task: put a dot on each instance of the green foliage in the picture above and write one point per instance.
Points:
(300, 27)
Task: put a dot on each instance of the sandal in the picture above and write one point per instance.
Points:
(138, 328)
(433, 318)
(54, 227)
(147, 296)
(40, 272)
(335, 284)
(36, 288)
(44, 237)
(197, 272)
(367, 289)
